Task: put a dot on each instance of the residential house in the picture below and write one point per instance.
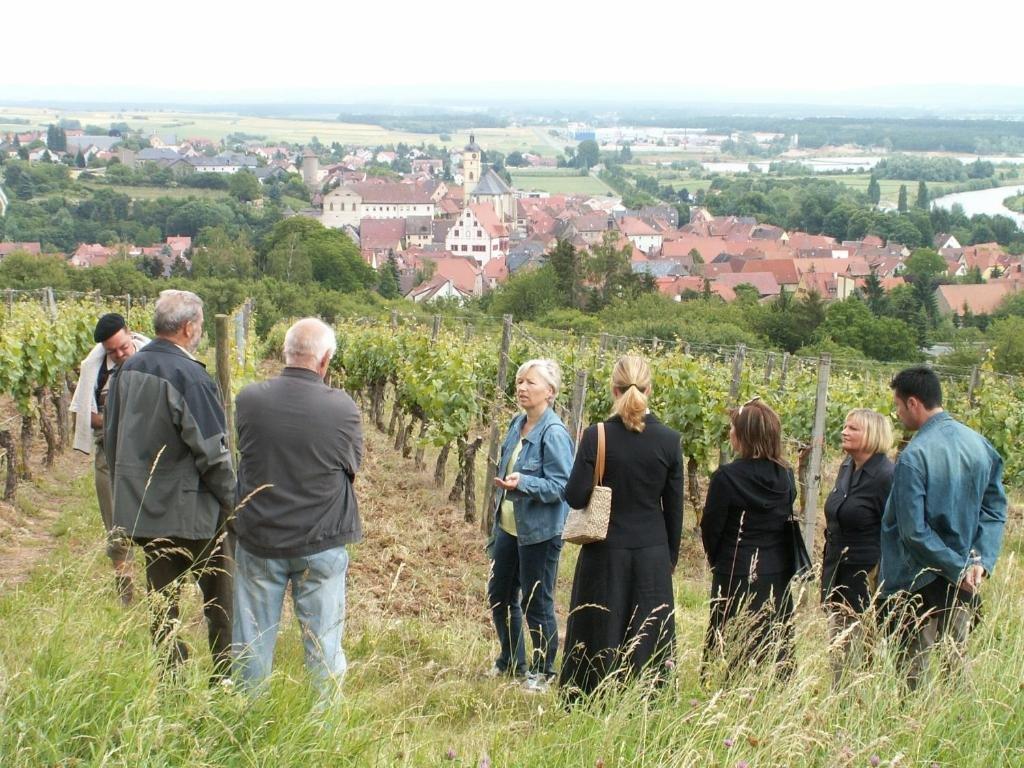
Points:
(641, 234)
(380, 238)
(478, 233)
(6, 249)
(94, 255)
(981, 299)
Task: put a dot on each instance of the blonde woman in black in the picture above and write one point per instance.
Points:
(621, 610)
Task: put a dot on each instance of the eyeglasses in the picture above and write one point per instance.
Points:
(751, 401)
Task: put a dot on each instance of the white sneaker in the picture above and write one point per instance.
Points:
(538, 683)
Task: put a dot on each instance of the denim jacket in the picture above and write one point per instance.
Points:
(947, 500)
(543, 465)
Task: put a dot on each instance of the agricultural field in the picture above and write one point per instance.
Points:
(550, 180)
(217, 125)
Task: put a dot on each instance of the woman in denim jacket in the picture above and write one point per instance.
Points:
(530, 513)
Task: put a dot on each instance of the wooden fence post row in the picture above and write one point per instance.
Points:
(487, 516)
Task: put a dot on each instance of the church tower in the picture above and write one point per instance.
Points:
(471, 164)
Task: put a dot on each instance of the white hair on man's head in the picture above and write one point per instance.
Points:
(308, 340)
(174, 309)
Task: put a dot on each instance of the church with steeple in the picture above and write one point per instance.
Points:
(483, 185)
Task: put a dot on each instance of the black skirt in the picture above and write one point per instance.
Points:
(621, 616)
(751, 621)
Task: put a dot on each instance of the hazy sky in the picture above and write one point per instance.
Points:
(229, 51)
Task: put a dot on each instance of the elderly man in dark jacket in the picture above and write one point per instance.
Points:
(171, 472)
(300, 444)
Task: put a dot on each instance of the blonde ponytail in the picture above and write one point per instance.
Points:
(632, 378)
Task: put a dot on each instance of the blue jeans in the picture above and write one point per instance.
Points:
(318, 593)
(523, 582)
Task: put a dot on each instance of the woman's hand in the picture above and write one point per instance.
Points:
(509, 483)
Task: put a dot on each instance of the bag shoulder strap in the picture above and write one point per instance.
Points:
(599, 464)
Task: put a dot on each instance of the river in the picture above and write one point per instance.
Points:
(988, 201)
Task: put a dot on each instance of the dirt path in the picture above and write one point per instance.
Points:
(418, 558)
(28, 525)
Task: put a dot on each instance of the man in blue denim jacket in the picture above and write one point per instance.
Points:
(943, 523)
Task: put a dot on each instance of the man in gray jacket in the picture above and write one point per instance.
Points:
(300, 444)
(171, 472)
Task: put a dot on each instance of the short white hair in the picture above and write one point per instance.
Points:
(547, 369)
(309, 339)
(174, 309)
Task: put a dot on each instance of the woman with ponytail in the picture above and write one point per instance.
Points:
(621, 610)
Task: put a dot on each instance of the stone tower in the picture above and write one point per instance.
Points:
(310, 169)
(471, 164)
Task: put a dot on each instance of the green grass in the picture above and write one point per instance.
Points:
(151, 193)
(560, 183)
(80, 685)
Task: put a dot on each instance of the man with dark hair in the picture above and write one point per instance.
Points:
(114, 344)
(943, 523)
(173, 483)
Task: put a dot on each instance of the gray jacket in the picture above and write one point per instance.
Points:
(165, 443)
(304, 440)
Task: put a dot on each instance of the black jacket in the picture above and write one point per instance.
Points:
(853, 514)
(746, 508)
(306, 440)
(645, 472)
(165, 439)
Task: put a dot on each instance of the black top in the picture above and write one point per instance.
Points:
(305, 440)
(748, 503)
(853, 511)
(645, 472)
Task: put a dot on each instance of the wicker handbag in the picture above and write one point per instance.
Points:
(585, 526)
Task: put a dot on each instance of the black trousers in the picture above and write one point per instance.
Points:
(751, 622)
(211, 564)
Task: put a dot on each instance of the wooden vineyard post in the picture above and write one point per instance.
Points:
(784, 371)
(768, 367)
(734, 389)
(972, 389)
(487, 516)
(810, 496)
(224, 378)
(579, 395)
(436, 329)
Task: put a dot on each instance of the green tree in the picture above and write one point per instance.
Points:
(244, 186)
(922, 196)
(1007, 335)
(218, 254)
(925, 264)
(874, 293)
(901, 204)
(568, 266)
(588, 154)
(874, 191)
(388, 284)
(527, 295)
(301, 250)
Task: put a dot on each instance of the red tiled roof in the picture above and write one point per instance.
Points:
(784, 271)
(462, 270)
(9, 248)
(634, 227)
(391, 193)
(764, 282)
(380, 234)
(488, 219)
